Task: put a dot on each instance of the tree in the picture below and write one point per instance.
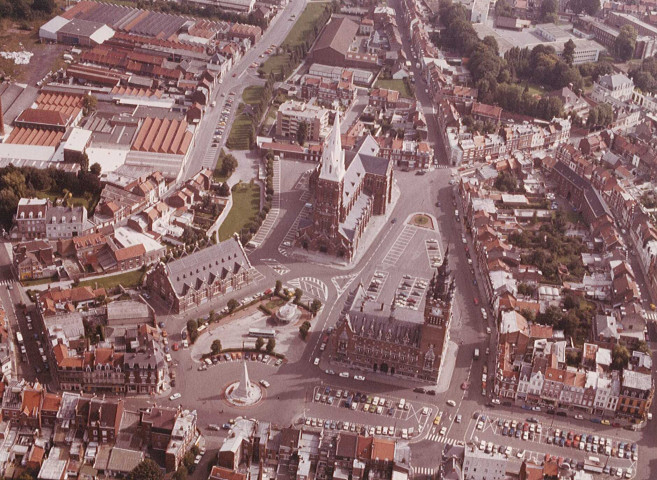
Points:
(89, 102)
(84, 162)
(315, 305)
(95, 169)
(224, 190)
(569, 52)
(215, 348)
(146, 470)
(232, 304)
(181, 473)
(549, 11)
(302, 133)
(271, 345)
(278, 287)
(591, 7)
(298, 293)
(625, 43)
(259, 343)
(620, 357)
(228, 164)
(46, 6)
(304, 329)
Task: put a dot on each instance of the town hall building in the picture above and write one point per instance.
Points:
(348, 189)
(397, 341)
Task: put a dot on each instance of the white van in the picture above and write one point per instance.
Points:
(401, 404)
(594, 459)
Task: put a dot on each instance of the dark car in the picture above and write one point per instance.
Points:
(419, 390)
(431, 392)
(505, 430)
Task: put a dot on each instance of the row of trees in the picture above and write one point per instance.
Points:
(26, 9)
(205, 11)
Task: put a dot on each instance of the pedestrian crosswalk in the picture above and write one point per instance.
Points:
(6, 283)
(651, 316)
(425, 471)
(442, 439)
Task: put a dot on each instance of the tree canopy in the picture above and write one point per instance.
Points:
(146, 470)
(625, 43)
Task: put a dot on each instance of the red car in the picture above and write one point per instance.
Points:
(175, 347)
(476, 301)
(464, 386)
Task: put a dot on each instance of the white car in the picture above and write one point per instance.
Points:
(451, 403)
(359, 378)
(344, 374)
(458, 418)
(175, 396)
(443, 431)
(316, 362)
(265, 383)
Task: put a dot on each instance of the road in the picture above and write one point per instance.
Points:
(238, 78)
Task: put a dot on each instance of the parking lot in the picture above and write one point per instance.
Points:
(433, 252)
(364, 413)
(570, 448)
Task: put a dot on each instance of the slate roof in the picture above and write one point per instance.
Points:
(337, 35)
(203, 267)
(373, 326)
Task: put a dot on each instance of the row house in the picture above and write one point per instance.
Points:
(327, 91)
(405, 153)
(33, 260)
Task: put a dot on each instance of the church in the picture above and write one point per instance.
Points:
(396, 341)
(348, 188)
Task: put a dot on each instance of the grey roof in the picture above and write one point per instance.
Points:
(70, 214)
(596, 202)
(337, 35)
(126, 309)
(122, 460)
(636, 380)
(203, 267)
(616, 80)
(570, 175)
(84, 28)
(385, 328)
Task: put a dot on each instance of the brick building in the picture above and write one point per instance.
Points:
(348, 188)
(201, 276)
(395, 344)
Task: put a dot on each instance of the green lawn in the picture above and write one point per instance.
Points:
(127, 279)
(274, 64)
(246, 205)
(74, 201)
(253, 94)
(398, 85)
(304, 24)
(238, 138)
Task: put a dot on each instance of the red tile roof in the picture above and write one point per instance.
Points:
(43, 117)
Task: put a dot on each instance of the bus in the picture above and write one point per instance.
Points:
(262, 332)
(19, 338)
(592, 468)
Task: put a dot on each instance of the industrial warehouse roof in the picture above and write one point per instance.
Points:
(59, 102)
(35, 136)
(163, 136)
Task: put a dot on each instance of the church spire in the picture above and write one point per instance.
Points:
(333, 157)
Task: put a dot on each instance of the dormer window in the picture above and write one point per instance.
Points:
(31, 214)
(73, 218)
(40, 214)
(53, 220)
(22, 214)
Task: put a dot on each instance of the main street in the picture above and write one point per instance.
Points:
(237, 79)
